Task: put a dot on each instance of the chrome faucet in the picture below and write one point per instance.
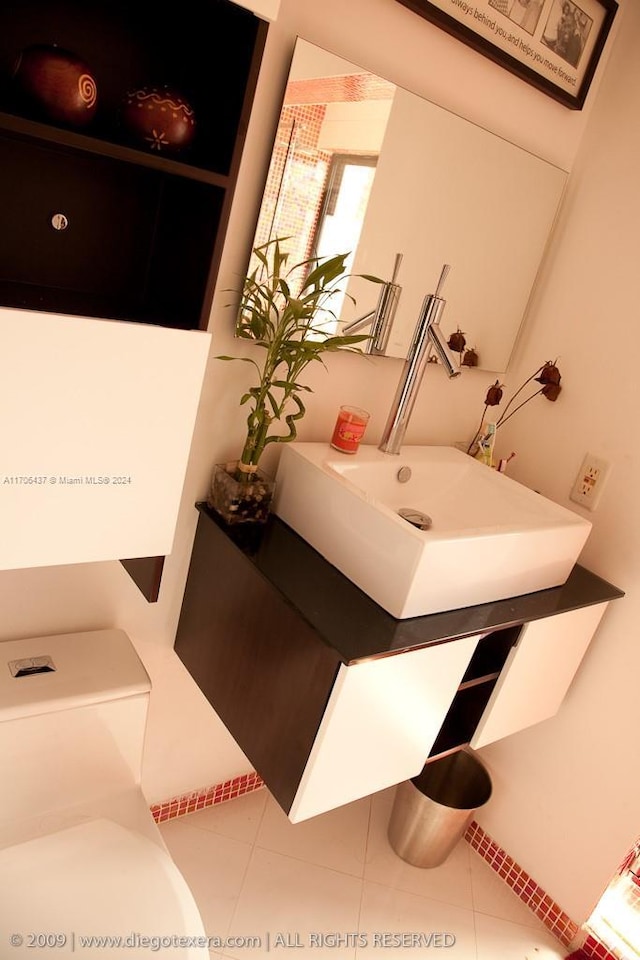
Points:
(427, 336)
(381, 319)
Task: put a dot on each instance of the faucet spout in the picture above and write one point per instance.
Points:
(381, 319)
(427, 335)
(445, 356)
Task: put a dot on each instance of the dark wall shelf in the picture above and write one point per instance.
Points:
(119, 255)
(203, 50)
(145, 225)
(26, 129)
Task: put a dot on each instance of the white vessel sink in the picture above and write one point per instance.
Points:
(490, 538)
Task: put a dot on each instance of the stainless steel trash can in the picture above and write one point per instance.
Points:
(432, 811)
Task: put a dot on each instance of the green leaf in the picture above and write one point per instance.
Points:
(288, 329)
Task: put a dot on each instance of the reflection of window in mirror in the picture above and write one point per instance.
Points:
(341, 217)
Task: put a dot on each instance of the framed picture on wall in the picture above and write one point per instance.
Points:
(555, 45)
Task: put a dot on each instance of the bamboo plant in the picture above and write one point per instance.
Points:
(281, 311)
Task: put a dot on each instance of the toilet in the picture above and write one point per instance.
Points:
(84, 871)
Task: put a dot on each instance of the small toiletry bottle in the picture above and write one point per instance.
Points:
(349, 429)
(485, 445)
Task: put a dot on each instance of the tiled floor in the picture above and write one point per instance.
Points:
(333, 887)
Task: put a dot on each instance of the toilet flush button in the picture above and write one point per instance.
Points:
(28, 666)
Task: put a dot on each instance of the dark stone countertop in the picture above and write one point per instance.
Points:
(356, 627)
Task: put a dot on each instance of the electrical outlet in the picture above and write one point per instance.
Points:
(590, 481)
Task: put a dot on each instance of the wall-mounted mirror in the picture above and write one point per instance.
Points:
(362, 165)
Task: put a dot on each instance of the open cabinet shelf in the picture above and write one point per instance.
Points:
(145, 222)
(474, 690)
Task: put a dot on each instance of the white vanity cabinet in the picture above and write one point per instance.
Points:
(380, 723)
(331, 698)
(537, 673)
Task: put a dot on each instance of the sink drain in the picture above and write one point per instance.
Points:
(419, 519)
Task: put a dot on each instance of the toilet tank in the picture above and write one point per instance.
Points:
(73, 712)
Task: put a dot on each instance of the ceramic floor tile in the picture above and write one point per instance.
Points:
(504, 940)
(450, 882)
(289, 903)
(337, 839)
(214, 868)
(238, 818)
(395, 923)
(289, 887)
(492, 896)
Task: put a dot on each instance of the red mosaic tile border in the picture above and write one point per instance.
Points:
(593, 949)
(206, 797)
(552, 915)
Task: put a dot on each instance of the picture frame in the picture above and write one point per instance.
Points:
(554, 45)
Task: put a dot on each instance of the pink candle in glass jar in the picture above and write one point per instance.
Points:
(349, 429)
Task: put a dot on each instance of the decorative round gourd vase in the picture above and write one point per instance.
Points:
(56, 84)
(158, 118)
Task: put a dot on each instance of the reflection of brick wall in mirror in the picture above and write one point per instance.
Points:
(301, 177)
(295, 185)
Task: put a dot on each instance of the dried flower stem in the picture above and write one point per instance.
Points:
(519, 391)
(504, 419)
(548, 375)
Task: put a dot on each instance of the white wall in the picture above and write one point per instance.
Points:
(187, 746)
(566, 798)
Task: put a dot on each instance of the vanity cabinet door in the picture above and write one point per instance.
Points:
(537, 673)
(98, 444)
(381, 720)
